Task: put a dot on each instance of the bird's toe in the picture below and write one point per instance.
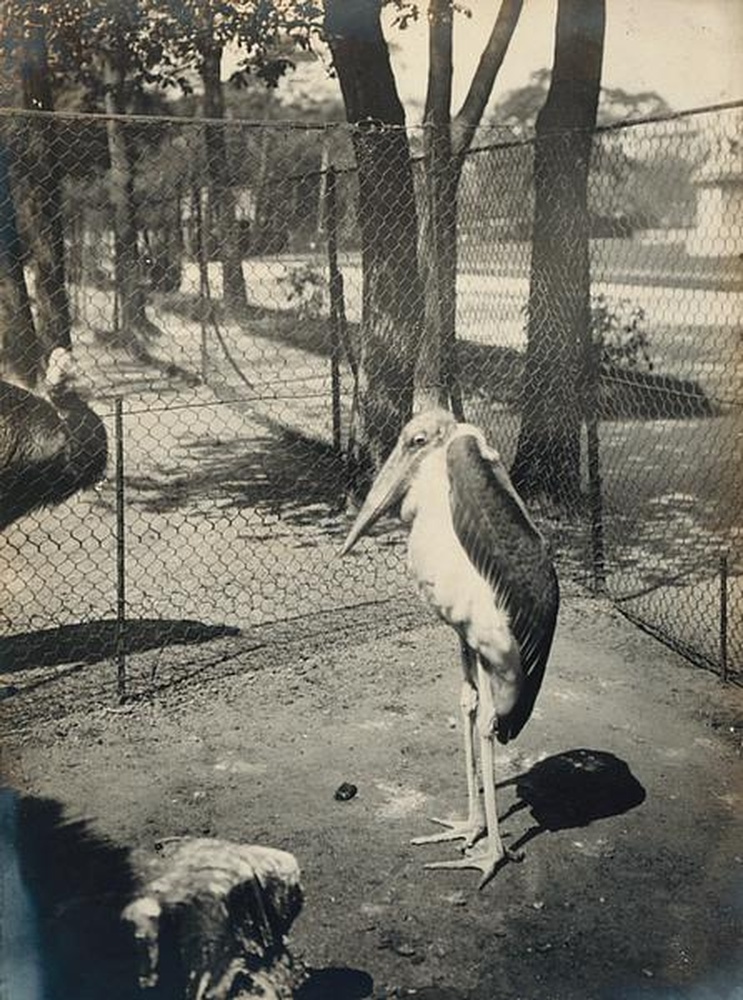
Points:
(454, 829)
(487, 861)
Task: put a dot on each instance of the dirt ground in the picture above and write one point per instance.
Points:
(632, 881)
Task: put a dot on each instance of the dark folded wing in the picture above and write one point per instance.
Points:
(503, 544)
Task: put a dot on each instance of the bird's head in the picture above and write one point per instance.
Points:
(63, 380)
(60, 368)
(419, 437)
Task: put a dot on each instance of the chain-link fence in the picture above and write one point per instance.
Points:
(214, 281)
(666, 223)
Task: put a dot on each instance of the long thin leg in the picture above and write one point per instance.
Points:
(494, 850)
(487, 858)
(486, 725)
(468, 704)
(472, 828)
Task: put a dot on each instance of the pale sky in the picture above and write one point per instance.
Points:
(689, 51)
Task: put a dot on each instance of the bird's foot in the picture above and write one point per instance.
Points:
(487, 861)
(468, 830)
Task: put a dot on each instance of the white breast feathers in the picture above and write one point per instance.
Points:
(445, 576)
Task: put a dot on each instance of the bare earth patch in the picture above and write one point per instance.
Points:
(624, 792)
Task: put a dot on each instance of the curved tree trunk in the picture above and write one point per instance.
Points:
(548, 453)
(127, 265)
(446, 143)
(221, 191)
(392, 296)
(436, 381)
(43, 198)
(21, 354)
(437, 375)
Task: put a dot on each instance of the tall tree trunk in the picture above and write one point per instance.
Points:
(127, 265)
(43, 198)
(392, 295)
(221, 190)
(21, 354)
(446, 143)
(436, 381)
(548, 453)
(437, 374)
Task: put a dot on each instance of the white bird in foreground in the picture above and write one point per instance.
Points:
(478, 558)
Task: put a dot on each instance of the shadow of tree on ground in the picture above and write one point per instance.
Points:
(284, 471)
(66, 888)
(91, 642)
(63, 936)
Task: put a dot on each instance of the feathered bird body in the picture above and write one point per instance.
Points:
(449, 581)
(49, 447)
(479, 560)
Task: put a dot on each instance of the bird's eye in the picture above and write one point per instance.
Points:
(419, 440)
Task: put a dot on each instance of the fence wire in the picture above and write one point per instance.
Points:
(213, 277)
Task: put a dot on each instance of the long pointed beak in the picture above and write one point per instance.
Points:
(387, 488)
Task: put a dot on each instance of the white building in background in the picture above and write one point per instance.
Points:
(719, 182)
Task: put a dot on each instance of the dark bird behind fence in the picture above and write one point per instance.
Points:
(51, 445)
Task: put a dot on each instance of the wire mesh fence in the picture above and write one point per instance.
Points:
(218, 311)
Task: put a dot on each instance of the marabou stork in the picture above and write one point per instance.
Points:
(49, 447)
(478, 558)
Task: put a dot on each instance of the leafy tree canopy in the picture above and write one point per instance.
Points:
(519, 108)
(159, 42)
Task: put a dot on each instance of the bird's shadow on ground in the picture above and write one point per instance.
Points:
(90, 642)
(573, 789)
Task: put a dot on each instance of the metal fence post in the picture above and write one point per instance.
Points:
(724, 617)
(592, 369)
(204, 297)
(598, 555)
(337, 316)
(120, 555)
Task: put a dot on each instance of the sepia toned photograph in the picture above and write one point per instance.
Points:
(371, 500)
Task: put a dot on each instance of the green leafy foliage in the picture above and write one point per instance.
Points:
(307, 290)
(160, 43)
(617, 332)
(519, 108)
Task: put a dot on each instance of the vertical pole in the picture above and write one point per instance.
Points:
(598, 554)
(204, 303)
(336, 303)
(592, 375)
(321, 209)
(120, 555)
(724, 617)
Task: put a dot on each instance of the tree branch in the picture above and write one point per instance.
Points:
(471, 112)
(438, 90)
